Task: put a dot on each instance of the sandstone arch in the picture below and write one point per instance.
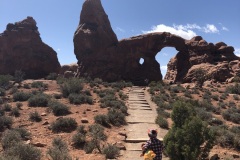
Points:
(101, 55)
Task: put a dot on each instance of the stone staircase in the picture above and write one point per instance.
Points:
(142, 115)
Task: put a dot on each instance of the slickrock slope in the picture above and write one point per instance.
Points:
(21, 48)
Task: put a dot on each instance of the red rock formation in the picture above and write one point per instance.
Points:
(21, 48)
(100, 55)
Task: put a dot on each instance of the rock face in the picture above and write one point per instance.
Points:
(21, 48)
(101, 55)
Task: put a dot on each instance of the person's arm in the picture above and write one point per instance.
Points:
(146, 147)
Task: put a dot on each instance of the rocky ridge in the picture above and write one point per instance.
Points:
(21, 48)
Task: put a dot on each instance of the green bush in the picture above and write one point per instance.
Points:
(111, 151)
(64, 125)
(57, 96)
(59, 150)
(52, 76)
(5, 81)
(233, 89)
(58, 108)
(21, 96)
(78, 140)
(38, 100)
(116, 117)
(5, 122)
(24, 152)
(38, 84)
(89, 147)
(15, 112)
(102, 120)
(13, 90)
(73, 85)
(81, 129)
(23, 133)
(7, 107)
(80, 99)
(10, 138)
(162, 122)
(26, 86)
(19, 105)
(189, 137)
(2, 92)
(18, 76)
(35, 117)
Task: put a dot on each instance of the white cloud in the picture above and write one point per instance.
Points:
(120, 29)
(185, 31)
(178, 30)
(225, 29)
(58, 49)
(163, 68)
(237, 52)
(210, 28)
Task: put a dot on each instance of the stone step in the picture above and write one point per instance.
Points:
(130, 155)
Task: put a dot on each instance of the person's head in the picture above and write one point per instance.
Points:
(152, 133)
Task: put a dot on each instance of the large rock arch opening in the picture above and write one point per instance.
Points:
(164, 56)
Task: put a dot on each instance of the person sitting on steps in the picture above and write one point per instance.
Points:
(153, 144)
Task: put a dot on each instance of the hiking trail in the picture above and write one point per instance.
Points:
(142, 114)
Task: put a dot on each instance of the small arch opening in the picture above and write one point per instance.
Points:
(163, 57)
(141, 61)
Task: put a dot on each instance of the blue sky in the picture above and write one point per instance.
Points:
(57, 21)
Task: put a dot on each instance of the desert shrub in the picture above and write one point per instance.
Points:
(80, 99)
(89, 147)
(19, 105)
(21, 96)
(215, 97)
(38, 84)
(2, 92)
(96, 133)
(24, 152)
(188, 94)
(102, 120)
(13, 90)
(5, 81)
(78, 139)
(120, 85)
(26, 86)
(18, 76)
(59, 150)
(10, 138)
(7, 107)
(58, 109)
(15, 112)
(73, 85)
(64, 125)
(203, 114)
(23, 133)
(207, 105)
(236, 97)
(2, 112)
(162, 122)
(232, 114)
(111, 151)
(163, 113)
(189, 137)
(223, 96)
(116, 117)
(38, 100)
(215, 121)
(5, 122)
(35, 117)
(122, 96)
(52, 76)
(57, 96)
(233, 89)
(106, 92)
(81, 129)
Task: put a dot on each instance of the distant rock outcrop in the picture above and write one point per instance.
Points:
(21, 48)
(101, 55)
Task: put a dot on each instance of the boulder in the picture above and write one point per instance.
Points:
(21, 48)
